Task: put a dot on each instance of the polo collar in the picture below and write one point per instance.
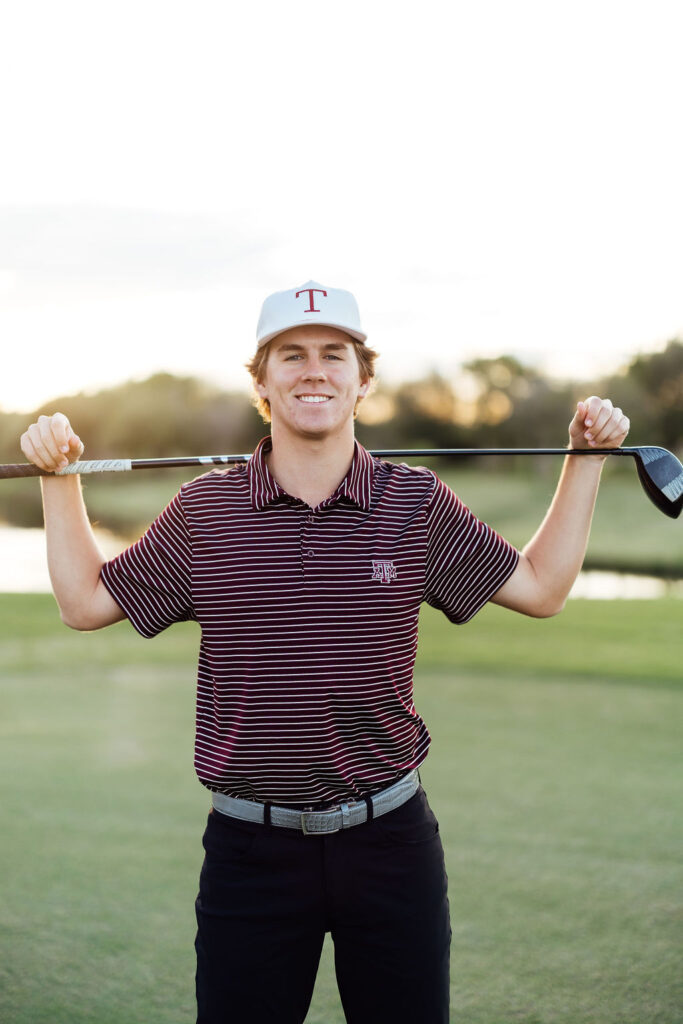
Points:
(356, 485)
(263, 487)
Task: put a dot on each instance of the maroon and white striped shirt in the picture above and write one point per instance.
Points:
(309, 619)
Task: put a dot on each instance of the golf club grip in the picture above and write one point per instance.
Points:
(75, 469)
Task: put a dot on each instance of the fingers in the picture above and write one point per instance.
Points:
(35, 448)
(51, 443)
(598, 424)
(596, 420)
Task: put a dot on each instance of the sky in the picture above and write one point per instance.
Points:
(486, 177)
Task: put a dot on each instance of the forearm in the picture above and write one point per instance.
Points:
(557, 550)
(551, 561)
(74, 558)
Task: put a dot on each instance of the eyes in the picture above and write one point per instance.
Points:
(299, 355)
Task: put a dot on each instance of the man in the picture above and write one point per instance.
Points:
(306, 569)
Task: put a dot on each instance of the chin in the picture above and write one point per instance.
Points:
(314, 419)
(313, 428)
(312, 422)
(314, 431)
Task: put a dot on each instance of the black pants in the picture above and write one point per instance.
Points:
(267, 896)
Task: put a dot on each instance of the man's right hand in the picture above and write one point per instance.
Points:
(50, 443)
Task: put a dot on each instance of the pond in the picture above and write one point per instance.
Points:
(23, 569)
(23, 562)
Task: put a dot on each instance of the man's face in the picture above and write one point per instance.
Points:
(312, 381)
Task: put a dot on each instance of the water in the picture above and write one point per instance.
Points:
(608, 586)
(23, 562)
(23, 569)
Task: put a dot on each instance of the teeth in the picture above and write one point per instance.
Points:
(313, 398)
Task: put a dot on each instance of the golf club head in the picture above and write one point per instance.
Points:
(661, 475)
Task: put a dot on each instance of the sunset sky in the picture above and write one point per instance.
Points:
(486, 177)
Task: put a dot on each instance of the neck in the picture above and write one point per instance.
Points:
(310, 468)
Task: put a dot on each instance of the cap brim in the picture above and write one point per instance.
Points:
(356, 335)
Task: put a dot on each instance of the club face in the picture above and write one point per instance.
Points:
(661, 475)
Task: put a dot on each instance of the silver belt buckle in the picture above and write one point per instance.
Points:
(316, 831)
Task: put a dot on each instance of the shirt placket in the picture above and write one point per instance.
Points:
(308, 541)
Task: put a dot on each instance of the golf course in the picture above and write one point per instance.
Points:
(325, 327)
(554, 770)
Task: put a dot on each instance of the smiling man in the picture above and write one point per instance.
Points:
(306, 570)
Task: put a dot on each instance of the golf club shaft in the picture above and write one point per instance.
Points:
(126, 465)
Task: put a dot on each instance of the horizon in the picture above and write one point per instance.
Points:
(455, 374)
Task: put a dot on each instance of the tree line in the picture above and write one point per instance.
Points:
(497, 402)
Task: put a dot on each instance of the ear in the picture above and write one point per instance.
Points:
(261, 388)
(363, 389)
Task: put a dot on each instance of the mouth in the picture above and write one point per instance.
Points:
(313, 399)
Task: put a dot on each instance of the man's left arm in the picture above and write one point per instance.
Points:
(550, 562)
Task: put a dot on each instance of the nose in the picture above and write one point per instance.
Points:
(314, 368)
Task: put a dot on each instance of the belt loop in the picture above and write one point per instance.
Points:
(266, 814)
(371, 813)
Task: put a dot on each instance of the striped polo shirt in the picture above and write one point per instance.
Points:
(308, 619)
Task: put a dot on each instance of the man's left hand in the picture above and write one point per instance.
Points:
(597, 424)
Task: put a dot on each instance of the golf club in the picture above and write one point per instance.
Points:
(659, 471)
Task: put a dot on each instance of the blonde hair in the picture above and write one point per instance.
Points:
(257, 368)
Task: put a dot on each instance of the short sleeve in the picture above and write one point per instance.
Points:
(151, 580)
(467, 561)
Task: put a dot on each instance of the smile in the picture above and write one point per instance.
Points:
(313, 398)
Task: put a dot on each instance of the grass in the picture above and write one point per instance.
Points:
(554, 771)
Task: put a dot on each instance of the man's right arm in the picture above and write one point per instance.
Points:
(74, 558)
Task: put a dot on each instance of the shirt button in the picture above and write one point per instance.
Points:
(310, 553)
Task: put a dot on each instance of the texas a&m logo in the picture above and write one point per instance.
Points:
(384, 571)
(311, 300)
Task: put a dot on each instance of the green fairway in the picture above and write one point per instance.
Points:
(554, 771)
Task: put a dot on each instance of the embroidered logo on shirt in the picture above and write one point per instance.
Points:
(384, 571)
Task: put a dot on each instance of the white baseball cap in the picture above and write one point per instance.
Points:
(310, 303)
